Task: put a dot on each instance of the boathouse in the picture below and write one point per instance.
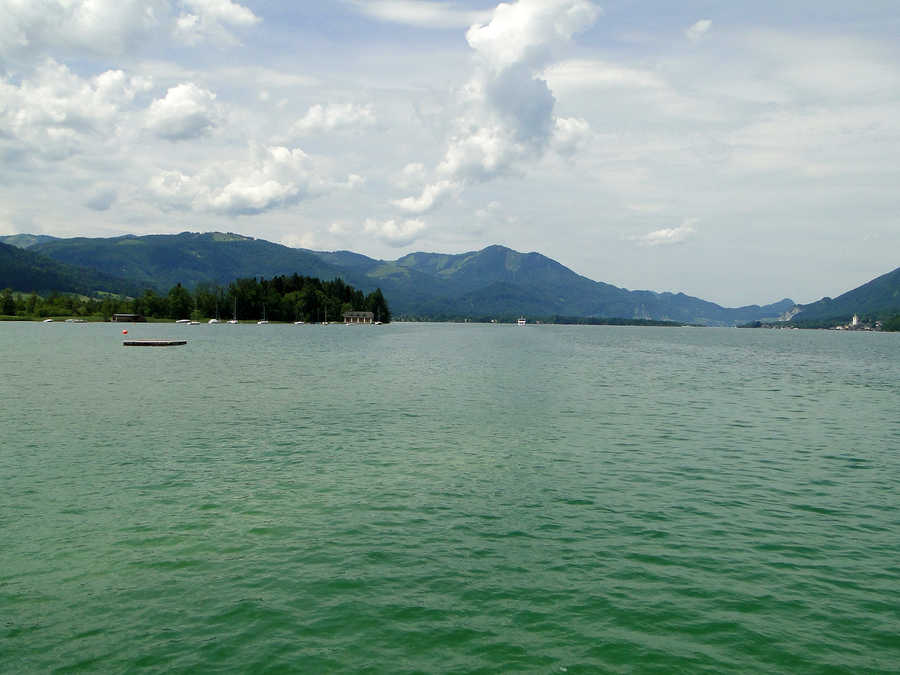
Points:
(359, 317)
(129, 318)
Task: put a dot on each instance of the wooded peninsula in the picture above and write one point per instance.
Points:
(282, 298)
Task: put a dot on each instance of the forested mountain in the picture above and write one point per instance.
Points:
(878, 298)
(26, 271)
(495, 282)
(163, 260)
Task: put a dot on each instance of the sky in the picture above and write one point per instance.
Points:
(737, 151)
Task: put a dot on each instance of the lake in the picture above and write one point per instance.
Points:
(449, 498)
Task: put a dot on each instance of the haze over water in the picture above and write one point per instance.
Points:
(449, 498)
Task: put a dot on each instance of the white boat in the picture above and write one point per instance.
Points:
(299, 323)
(521, 321)
(213, 321)
(182, 321)
(263, 322)
(47, 321)
(234, 317)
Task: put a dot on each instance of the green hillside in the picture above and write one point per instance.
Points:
(26, 271)
(878, 298)
(188, 258)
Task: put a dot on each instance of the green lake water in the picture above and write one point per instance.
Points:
(449, 498)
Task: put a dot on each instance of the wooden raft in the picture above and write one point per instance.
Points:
(153, 343)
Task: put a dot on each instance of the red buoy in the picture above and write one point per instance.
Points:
(124, 332)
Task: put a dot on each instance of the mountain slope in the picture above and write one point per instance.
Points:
(500, 281)
(494, 282)
(26, 271)
(879, 297)
(25, 240)
(164, 260)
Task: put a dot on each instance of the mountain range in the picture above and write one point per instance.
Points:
(495, 282)
(878, 298)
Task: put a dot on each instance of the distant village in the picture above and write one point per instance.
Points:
(856, 324)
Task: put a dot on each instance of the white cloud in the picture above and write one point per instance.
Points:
(186, 111)
(212, 20)
(524, 31)
(96, 26)
(509, 119)
(393, 232)
(413, 174)
(55, 112)
(430, 197)
(108, 27)
(583, 73)
(275, 177)
(570, 134)
(824, 68)
(668, 235)
(334, 117)
(696, 32)
(422, 13)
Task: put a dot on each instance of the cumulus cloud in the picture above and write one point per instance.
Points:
(696, 32)
(430, 196)
(114, 26)
(55, 112)
(334, 117)
(422, 13)
(275, 177)
(570, 134)
(97, 26)
(212, 20)
(509, 117)
(525, 31)
(186, 111)
(394, 232)
(668, 235)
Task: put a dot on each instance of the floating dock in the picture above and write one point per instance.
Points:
(153, 343)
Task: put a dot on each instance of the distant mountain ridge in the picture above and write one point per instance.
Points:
(495, 282)
(878, 298)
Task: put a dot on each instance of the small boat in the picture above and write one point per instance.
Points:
(234, 317)
(47, 321)
(521, 321)
(75, 321)
(213, 321)
(299, 323)
(187, 321)
(263, 322)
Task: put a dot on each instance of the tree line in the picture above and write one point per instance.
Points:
(282, 298)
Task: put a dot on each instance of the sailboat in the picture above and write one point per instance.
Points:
(234, 319)
(216, 320)
(260, 323)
